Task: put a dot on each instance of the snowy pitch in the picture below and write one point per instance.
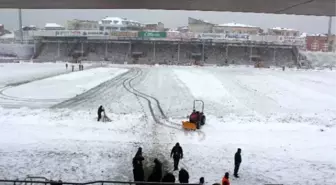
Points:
(284, 121)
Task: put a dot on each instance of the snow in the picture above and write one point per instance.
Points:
(21, 72)
(52, 25)
(236, 25)
(8, 36)
(75, 83)
(320, 59)
(197, 89)
(283, 29)
(284, 121)
(119, 21)
(47, 92)
(303, 35)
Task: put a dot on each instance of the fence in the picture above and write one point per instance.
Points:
(30, 181)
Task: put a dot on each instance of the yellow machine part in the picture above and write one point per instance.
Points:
(189, 126)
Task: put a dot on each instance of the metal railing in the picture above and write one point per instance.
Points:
(48, 182)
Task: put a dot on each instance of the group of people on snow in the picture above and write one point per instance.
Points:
(183, 176)
(177, 154)
(157, 174)
(80, 67)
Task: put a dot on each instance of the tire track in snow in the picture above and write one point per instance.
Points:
(6, 97)
(91, 94)
(12, 98)
(130, 88)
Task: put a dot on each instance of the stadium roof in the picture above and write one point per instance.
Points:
(233, 24)
(299, 7)
(282, 29)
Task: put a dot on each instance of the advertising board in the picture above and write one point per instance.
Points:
(147, 34)
(94, 33)
(65, 33)
(234, 36)
(214, 36)
(125, 34)
(173, 35)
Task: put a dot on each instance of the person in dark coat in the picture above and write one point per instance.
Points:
(100, 111)
(177, 154)
(157, 172)
(138, 171)
(56, 182)
(237, 160)
(169, 177)
(183, 176)
(201, 181)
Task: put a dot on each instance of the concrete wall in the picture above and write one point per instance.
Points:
(22, 51)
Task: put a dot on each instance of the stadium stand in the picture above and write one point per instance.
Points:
(166, 53)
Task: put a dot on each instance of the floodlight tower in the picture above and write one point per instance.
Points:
(20, 26)
(329, 40)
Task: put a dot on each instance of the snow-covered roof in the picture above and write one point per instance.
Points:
(80, 20)
(8, 36)
(52, 25)
(236, 25)
(303, 35)
(173, 30)
(283, 29)
(30, 26)
(118, 20)
(318, 35)
(113, 19)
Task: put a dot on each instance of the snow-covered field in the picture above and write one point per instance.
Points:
(53, 90)
(11, 73)
(284, 121)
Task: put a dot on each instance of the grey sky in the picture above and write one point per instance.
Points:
(171, 19)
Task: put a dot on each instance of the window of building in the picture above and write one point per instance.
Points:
(314, 46)
(115, 21)
(325, 47)
(106, 22)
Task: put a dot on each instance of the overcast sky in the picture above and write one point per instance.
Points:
(171, 19)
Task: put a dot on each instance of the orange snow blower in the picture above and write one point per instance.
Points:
(196, 118)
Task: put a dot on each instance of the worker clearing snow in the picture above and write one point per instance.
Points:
(193, 117)
(102, 115)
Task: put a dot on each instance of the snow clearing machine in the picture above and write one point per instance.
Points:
(196, 118)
